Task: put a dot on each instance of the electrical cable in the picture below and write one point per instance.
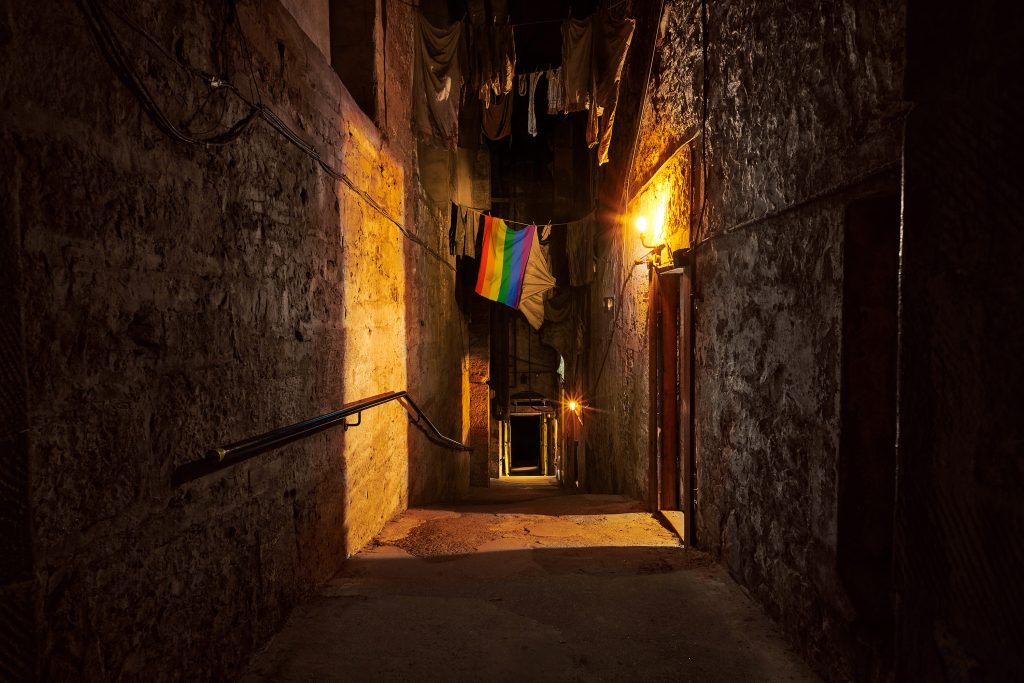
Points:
(615, 320)
(698, 233)
(116, 56)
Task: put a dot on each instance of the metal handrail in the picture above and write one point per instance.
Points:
(218, 458)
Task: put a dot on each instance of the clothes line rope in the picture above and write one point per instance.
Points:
(484, 212)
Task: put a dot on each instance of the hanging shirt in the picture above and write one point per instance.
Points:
(462, 231)
(497, 118)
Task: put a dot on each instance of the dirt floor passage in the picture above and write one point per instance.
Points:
(522, 583)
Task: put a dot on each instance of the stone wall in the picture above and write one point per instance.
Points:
(804, 117)
(173, 297)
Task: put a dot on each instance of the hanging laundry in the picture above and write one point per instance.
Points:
(521, 80)
(494, 48)
(497, 119)
(556, 90)
(577, 64)
(476, 50)
(504, 59)
(437, 81)
(579, 244)
(593, 55)
(537, 282)
(462, 231)
(531, 118)
(612, 38)
(503, 260)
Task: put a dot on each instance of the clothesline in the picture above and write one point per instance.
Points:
(484, 212)
(536, 22)
(593, 54)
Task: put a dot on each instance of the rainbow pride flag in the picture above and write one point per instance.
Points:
(503, 261)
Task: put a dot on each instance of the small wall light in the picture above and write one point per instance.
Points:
(609, 303)
(653, 237)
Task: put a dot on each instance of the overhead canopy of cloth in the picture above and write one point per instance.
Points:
(537, 281)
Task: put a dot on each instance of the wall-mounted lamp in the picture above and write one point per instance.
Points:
(652, 236)
(609, 304)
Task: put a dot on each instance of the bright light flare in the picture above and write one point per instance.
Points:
(659, 224)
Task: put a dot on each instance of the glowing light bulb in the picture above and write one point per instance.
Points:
(641, 224)
(572, 406)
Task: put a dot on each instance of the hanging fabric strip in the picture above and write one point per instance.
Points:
(611, 43)
(531, 119)
(556, 90)
(503, 260)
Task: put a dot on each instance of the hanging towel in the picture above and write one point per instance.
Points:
(503, 259)
(531, 119)
(438, 81)
(556, 90)
(537, 282)
(497, 118)
(579, 243)
(611, 44)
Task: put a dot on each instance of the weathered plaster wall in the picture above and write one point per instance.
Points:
(804, 116)
(961, 463)
(616, 429)
(617, 352)
(176, 297)
(314, 18)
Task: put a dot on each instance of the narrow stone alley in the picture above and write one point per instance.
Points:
(370, 340)
(520, 582)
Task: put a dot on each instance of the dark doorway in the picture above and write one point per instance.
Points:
(525, 445)
(867, 446)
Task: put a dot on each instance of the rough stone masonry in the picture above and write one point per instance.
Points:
(169, 298)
